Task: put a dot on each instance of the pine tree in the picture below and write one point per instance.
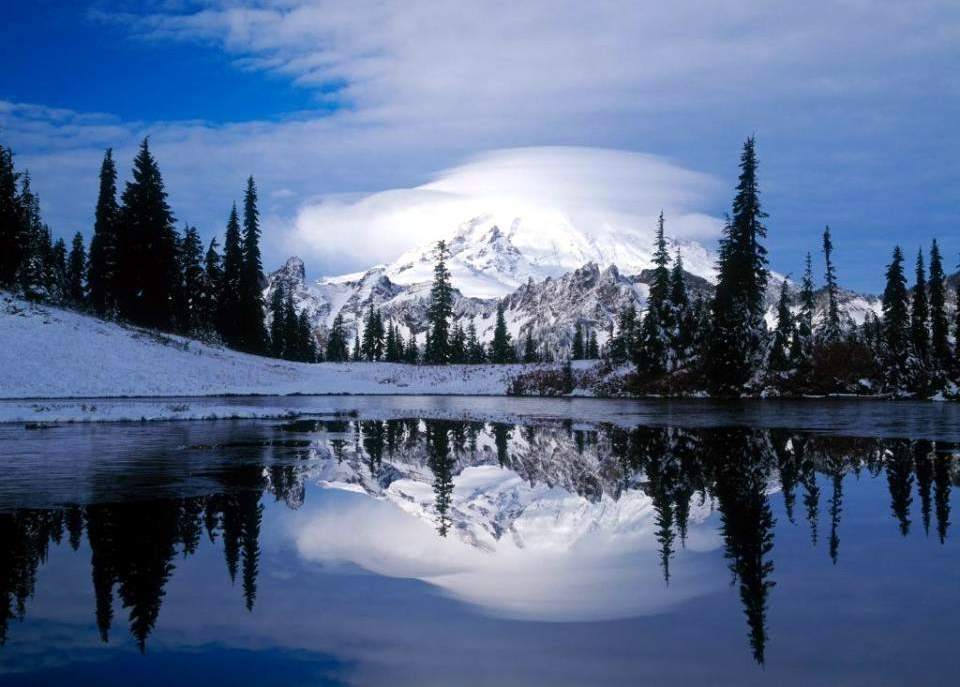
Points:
(55, 268)
(738, 330)
(683, 326)
(939, 329)
(212, 287)
(831, 331)
(373, 335)
(807, 306)
(147, 247)
(278, 301)
(291, 331)
(102, 274)
(896, 326)
(530, 349)
(228, 320)
(411, 352)
(307, 341)
(623, 343)
(357, 354)
(337, 341)
(458, 345)
(920, 314)
(576, 350)
(32, 270)
(76, 272)
(441, 308)
(650, 354)
(475, 352)
(253, 334)
(501, 348)
(391, 344)
(11, 226)
(780, 358)
(191, 306)
(660, 285)
(593, 349)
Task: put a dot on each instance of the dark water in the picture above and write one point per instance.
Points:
(576, 544)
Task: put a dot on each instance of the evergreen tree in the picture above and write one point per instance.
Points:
(738, 330)
(593, 349)
(411, 352)
(32, 270)
(76, 271)
(780, 358)
(831, 331)
(660, 285)
(192, 315)
(896, 325)
(650, 354)
(475, 353)
(458, 345)
(576, 350)
(683, 324)
(390, 347)
(291, 329)
(357, 355)
(501, 348)
(253, 336)
(807, 306)
(229, 312)
(373, 335)
(55, 268)
(939, 329)
(623, 342)
(307, 341)
(147, 247)
(441, 308)
(920, 314)
(102, 274)
(278, 300)
(11, 226)
(530, 348)
(337, 341)
(212, 286)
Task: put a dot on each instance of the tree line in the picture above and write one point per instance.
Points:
(723, 344)
(140, 269)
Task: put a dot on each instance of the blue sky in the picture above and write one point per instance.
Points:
(855, 105)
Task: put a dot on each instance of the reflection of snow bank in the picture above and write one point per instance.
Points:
(526, 551)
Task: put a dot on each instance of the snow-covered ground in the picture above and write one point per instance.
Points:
(47, 352)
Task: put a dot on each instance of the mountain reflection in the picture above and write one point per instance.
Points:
(684, 475)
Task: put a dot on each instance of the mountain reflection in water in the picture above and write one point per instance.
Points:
(550, 509)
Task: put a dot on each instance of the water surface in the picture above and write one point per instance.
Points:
(418, 541)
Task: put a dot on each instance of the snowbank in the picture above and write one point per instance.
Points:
(47, 352)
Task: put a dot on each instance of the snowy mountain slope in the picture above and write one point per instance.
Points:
(48, 352)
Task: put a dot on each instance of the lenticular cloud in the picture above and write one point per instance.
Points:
(598, 193)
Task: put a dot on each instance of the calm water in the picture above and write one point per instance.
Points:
(382, 541)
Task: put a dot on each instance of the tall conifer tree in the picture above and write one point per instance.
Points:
(920, 314)
(229, 312)
(76, 271)
(896, 326)
(441, 308)
(11, 234)
(831, 329)
(102, 263)
(253, 333)
(939, 328)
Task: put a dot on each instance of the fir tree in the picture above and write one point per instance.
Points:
(357, 355)
(147, 246)
(650, 354)
(253, 335)
(576, 350)
(11, 226)
(683, 325)
(593, 349)
(337, 341)
(373, 335)
(278, 301)
(192, 316)
(291, 330)
(780, 358)
(458, 345)
(738, 330)
(411, 352)
(103, 267)
(501, 348)
(475, 352)
(530, 348)
(55, 268)
(76, 271)
(390, 347)
(441, 308)
(229, 312)
(660, 285)
(307, 341)
(920, 314)
(623, 342)
(212, 286)
(939, 329)
(831, 330)
(896, 325)
(32, 270)
(807, 306)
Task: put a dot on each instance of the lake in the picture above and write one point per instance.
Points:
(485, 541)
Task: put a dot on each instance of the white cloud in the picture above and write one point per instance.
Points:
(597, 191)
